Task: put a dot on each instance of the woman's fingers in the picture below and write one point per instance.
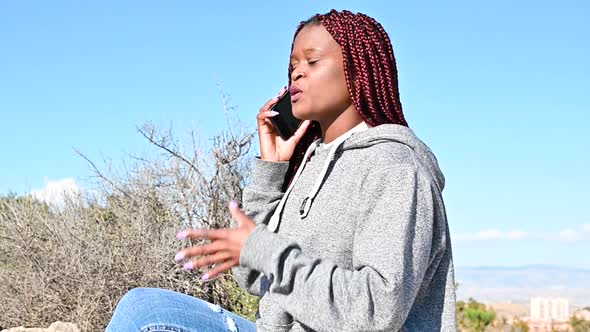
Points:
(283, 90)
(218, 269)
(204, 234)
(265, 111)
(206, 249)
(266, 107)
(240, 217)
(217, 258)
(266, 115)
(300, 131)
(262, 118)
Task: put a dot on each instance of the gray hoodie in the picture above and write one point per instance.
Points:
(368, 250)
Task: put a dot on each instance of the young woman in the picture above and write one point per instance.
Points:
(344, 226)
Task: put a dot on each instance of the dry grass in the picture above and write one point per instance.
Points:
(72, 263)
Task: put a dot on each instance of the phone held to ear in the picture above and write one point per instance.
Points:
(284, 123)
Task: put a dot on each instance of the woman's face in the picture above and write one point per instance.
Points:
(318, 84)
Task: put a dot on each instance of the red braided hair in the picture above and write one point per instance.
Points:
(369, 69)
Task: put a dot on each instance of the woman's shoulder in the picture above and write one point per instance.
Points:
(388, 154)
(385, 154)
(392, 147)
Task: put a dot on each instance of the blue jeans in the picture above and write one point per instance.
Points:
(160, 310)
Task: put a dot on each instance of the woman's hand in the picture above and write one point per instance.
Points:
(223, 250)
(272, 146)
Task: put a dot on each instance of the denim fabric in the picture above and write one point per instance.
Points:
(160, 310)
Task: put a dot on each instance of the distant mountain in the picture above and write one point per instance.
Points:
(519, 284)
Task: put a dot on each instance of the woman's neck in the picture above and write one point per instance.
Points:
(347, 120)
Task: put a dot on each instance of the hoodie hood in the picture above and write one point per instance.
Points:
(402, 135)
(359, 137)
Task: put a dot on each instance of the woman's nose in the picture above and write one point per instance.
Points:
(296, 75)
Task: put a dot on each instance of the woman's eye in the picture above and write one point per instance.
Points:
(311, 62)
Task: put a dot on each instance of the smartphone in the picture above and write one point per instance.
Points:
(284, 123)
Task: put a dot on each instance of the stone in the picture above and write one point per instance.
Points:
(55, 327)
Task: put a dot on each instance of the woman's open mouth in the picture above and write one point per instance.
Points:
(295, 93)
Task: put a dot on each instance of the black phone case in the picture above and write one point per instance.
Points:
(284, 123)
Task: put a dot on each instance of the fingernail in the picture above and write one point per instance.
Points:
(179, 256)
(205, 277)
(188, 266)
(233, 204)
(181, 235)
(273, 113)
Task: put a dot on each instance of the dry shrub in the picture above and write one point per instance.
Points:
(73, 262)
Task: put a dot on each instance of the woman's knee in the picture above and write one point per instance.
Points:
(145, 308)
(134, 298)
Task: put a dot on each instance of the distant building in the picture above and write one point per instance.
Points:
(549, 309)
(548, 326)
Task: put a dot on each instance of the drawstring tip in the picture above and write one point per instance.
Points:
(305, 207)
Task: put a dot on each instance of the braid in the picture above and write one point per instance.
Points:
(369, 69)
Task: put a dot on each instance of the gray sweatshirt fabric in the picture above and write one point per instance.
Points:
(372, 254)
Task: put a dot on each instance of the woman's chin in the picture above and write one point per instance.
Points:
(301, 113)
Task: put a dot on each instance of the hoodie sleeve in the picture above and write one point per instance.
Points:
(391, 252)
(260, 199)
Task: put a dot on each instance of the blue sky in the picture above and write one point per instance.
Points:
(496, 89)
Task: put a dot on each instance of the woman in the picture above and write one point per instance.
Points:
(344, 227)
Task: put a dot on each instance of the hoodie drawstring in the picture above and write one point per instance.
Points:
(308, 200)
(274, 220)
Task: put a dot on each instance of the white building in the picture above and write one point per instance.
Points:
(549, 308)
